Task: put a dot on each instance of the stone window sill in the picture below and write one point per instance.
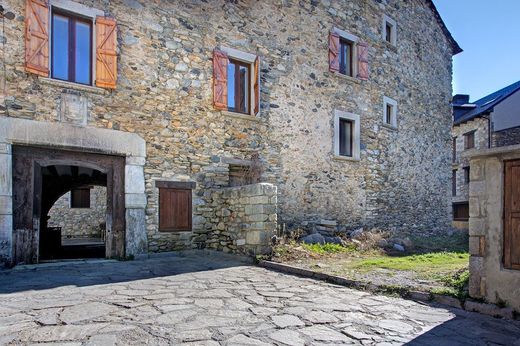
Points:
(390, 127)
(73, 86)
(241, 116)
(390, 46)
(347, 78)
(345, 158)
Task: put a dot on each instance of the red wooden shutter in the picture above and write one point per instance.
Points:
(220, 62)
(37, 37)
(174, 210)
(362, 48)
(106, 55)
(333, 52)
(257, 85)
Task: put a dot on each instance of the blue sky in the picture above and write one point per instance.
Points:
(489, 33)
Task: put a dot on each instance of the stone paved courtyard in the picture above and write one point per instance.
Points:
(215, 299)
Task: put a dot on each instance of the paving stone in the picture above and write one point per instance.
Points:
(102, 340)
(323, 333)
(87, 311)
(284, 321)
(396, 326)
(241, 339)
(287, 337)
(319, 317)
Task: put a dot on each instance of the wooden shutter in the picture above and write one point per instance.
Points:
(333, 52)
(174, 210)
(256, 85)
(106, 55)
(220, 62)
(80, 198)
(37, 37)
(512, 215)
(362, 48)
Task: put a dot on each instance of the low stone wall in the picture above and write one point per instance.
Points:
(246, 219)
(81, 222)
(489, 280)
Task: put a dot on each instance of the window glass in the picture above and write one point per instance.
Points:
(345, 137)
(345, 58)
(231, 85)
(389, 111)
(83, 55)
(244, 89)
(60, 47)
(238, 80)
(388, 35)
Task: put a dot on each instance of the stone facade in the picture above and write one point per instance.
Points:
(81, 222)
(164, 96)
(488, 277)
(505, 137)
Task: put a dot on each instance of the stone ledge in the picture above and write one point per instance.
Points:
(73, 86)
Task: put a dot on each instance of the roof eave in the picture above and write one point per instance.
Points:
(456, 49)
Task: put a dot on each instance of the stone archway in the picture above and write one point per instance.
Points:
(14, 131)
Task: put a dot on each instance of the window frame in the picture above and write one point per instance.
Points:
(454, 149)
(237, 84)
(466, 141)
(466, 170)
(393, 32)
(356, 135)
(177, 186)
(78, 10)
(249, 59)
(454, 206)
(353, 40)
(343, 42)
(387, 101)
(454, 182)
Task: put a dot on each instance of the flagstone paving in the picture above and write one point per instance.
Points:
(218, 299)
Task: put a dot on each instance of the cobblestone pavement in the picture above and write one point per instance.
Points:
(218, 300)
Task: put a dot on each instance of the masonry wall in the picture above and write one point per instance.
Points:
(488, 277)
(81, 222)
(164, 94)
(506, 137)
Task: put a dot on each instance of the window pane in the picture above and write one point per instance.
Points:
(389, 114)
(244, 89)
(388, 33)
(345, 137)
(231, 85)
(60, 47)
(345, 58)
(83, 55)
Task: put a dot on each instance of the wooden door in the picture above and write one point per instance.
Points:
(512, 214)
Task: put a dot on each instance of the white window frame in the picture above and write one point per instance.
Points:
(393, 116)
(393, 32)
(249, 59)
(354, 40)
(356, 135)
(83, 11)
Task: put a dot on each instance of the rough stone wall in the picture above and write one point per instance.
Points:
(81, 222)
(488, 278)
(480, 126)
(506, 137)
(246, 218)
(164, 94)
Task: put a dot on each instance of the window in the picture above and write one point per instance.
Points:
(80, 198)
(239, 175)
(236, 81)
(389, 111)
(175, 206)
(469, 140)
(454, 153)
(71, 48)
(454, 182)
(461, 211)
(466, 174)
(238, 84)
(389, 30)
(346, 135)
(346, 57)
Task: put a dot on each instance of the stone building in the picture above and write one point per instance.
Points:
(334, 110)
(492, 121)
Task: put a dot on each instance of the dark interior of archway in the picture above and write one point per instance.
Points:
(57, 180)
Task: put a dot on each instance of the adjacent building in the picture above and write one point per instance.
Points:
(210, 124)
(492, 121)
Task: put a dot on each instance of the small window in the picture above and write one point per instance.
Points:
(466, 175)
(454, 182)
(71, 48)
(389, 30)
(239, 175)
(469, 140)
(346, 135)
(346, 59)
(175, 206)
(454, 153)
(461, 211)
(389, 111)
(238, 86)
(80, 198)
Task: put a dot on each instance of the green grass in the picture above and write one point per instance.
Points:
(430, 265)
(327, 248)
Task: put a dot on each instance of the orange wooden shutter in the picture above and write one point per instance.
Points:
(333, 52)
(106, 55)
(37, 37)
(362, 48)
(257, 85)
(220, 62)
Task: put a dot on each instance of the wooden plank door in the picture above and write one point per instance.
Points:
(512, 214)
